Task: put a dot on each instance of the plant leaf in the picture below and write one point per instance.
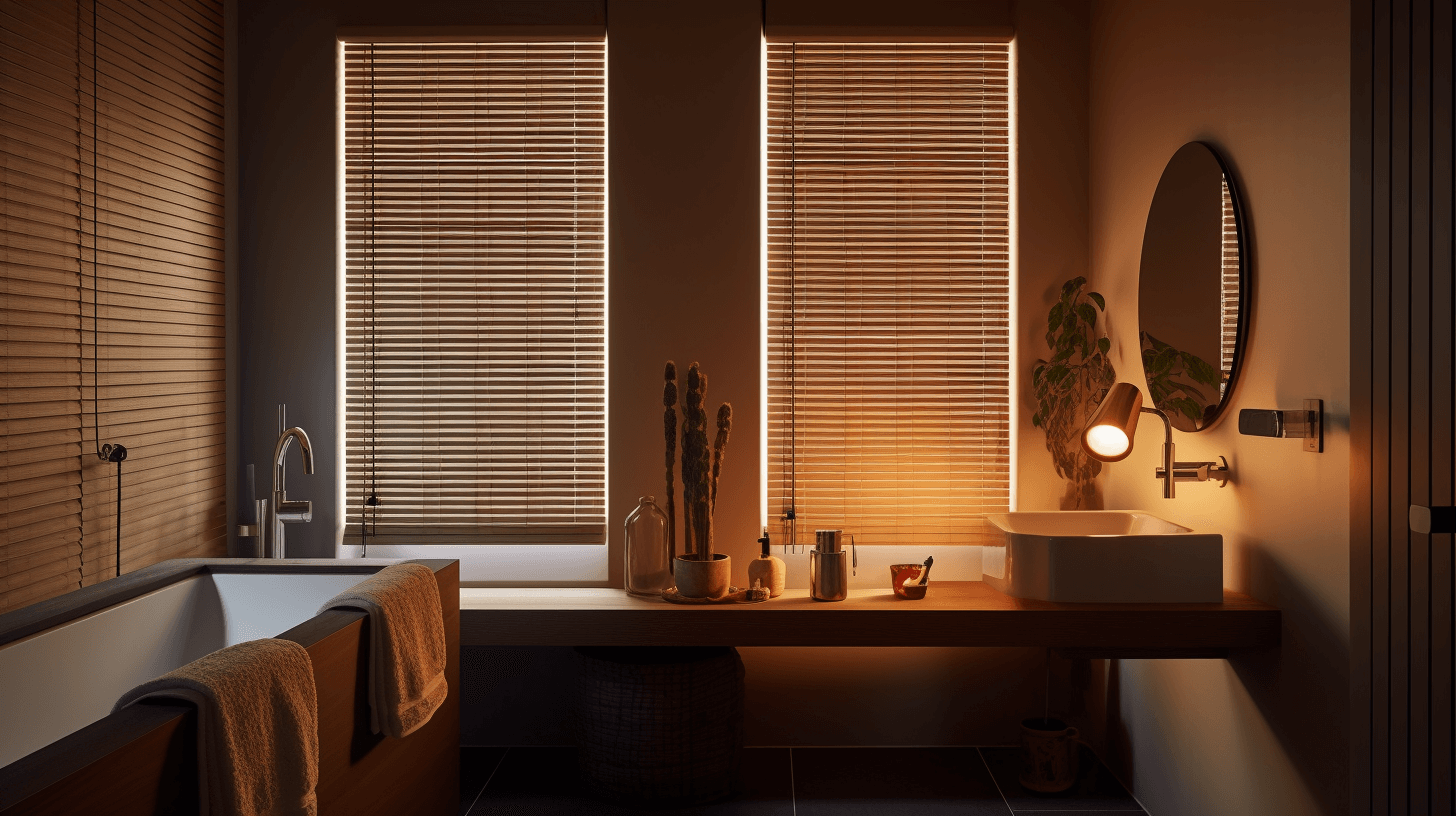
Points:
(1101, 304)
(1104, 345)
(1199, 370)
(1071, 286)
(1087, 313)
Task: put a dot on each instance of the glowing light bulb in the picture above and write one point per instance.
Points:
(1106, 440)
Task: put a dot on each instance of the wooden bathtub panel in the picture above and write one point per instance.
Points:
(362, 773)
(141, 761)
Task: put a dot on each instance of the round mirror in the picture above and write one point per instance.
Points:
(1191, 312)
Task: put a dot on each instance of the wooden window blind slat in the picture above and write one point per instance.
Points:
(112, 151)
(475, 291)
(39, 132)
(888, 288)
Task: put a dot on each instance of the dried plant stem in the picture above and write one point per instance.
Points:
(720, 445)
(698, 517)
(669, 432)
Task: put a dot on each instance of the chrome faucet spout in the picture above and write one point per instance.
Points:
(282, 511)
(280, 450)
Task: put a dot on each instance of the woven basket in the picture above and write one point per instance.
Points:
(659, 726)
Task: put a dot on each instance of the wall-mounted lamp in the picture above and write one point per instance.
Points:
(1307, 424)
(1108, 437)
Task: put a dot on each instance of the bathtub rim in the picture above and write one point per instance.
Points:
(52, 763)
(42, 615)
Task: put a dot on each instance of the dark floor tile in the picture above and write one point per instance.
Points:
(1096, 788)
(543, 782)
(476, 766)
(893, 781)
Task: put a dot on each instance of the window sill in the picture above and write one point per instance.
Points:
(538, 565)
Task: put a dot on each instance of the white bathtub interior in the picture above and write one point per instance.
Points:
(62, 679)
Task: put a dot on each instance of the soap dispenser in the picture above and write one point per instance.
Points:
(767, 569)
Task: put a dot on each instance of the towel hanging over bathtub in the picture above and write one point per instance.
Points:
(406, 646)
(257, 727)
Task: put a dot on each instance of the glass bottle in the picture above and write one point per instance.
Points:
(649, 563)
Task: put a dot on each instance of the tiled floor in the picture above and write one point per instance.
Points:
(802, 782)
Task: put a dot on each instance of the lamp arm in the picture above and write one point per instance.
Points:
(1168, 451)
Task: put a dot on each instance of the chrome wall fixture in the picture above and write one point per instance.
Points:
(282, 511)
(1108, 437)
(1307, 424)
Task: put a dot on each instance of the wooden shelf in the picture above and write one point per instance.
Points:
(952, 614)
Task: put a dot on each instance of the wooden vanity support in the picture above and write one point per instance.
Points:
(952, 614)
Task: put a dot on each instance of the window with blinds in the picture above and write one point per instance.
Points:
(111, 271)
(889, 288)
(475, 329)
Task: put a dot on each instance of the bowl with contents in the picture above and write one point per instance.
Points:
(910, 581)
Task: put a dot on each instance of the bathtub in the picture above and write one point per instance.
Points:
(64, 662)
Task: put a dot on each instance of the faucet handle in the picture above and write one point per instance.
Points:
(294, 510)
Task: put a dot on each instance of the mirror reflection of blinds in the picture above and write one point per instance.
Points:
(475, 291)
(1228, 290)
(889, 288)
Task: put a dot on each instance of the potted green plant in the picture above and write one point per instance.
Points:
(1069, 385)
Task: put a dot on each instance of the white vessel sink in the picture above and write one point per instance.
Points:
(1103, 556)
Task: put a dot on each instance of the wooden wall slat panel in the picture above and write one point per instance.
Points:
(1402, 418)
(1420, 404)
(1380, 567)
(1400, 395)
(1442, 418)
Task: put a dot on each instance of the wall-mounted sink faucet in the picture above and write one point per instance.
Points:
(1109, 434)
(281, 511)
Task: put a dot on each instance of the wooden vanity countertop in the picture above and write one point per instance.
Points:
(967, 613)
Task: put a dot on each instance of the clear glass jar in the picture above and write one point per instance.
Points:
(649, 561)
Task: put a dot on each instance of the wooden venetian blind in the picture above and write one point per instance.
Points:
(888, 301)
(475, 328)
(113, 288)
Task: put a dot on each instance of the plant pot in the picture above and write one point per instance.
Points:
(702, 579)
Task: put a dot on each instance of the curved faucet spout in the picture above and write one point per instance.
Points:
(280, 450)
(281, 511)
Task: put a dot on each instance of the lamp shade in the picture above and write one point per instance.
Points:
(1108, 435)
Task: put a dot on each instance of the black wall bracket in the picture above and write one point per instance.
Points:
(1432, 520)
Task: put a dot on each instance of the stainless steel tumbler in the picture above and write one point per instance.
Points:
(830, 566)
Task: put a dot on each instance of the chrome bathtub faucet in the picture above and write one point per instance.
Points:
(281, 511)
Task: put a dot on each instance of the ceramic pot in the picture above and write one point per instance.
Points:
(899, 573)
(702, 579)
(1048, 755)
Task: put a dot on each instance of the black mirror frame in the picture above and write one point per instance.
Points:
(1241, 332)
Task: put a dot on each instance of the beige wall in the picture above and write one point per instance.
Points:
(1052, 214)
(1267, 84)
(683, 199)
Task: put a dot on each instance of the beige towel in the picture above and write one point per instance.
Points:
(257, 727)
(406, 646)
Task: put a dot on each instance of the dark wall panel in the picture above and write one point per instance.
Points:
(1402, 380)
